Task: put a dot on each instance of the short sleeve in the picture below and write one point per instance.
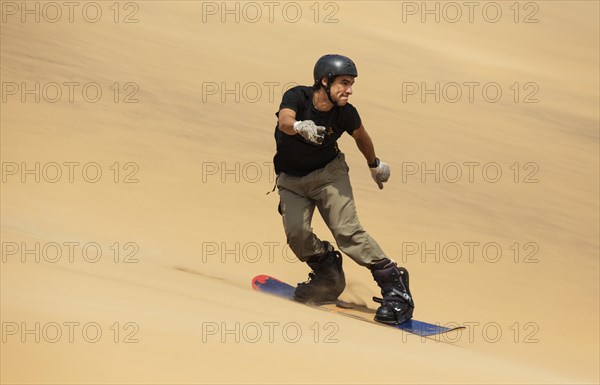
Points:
(350, 118)
(291, 99)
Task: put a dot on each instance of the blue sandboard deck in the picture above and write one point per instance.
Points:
(273, 286)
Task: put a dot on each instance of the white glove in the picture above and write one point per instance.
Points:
(381, 173)
(310, 131)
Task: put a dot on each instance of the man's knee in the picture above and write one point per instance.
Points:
(302, 241)
(347, 233)
(297, 236)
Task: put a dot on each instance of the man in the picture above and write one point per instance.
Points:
(312, 173)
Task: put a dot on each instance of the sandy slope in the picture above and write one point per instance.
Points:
(203, 226)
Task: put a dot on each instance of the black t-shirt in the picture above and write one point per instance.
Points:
(295, 155)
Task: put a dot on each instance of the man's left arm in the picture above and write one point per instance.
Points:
(380, 171)
(364, 144)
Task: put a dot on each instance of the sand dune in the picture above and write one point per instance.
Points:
(149, 217)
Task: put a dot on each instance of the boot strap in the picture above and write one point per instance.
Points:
(403, 295)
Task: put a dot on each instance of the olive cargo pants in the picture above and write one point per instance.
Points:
(329, 190)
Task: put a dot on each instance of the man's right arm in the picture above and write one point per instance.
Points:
(287, 118)
(307, 128)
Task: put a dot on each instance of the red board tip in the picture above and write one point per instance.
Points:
(260, 280)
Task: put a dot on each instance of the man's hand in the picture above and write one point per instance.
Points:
(380, 173)
(310, 131)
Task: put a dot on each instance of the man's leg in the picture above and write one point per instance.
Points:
(335, 202)
(326, 281)
(297, 212)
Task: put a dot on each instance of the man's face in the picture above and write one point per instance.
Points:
(341, 89)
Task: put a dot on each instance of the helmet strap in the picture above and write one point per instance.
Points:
(328, 92)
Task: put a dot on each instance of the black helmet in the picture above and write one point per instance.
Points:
(333, 65)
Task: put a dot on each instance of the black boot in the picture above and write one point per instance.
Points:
(326, 281)
(397, 304)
